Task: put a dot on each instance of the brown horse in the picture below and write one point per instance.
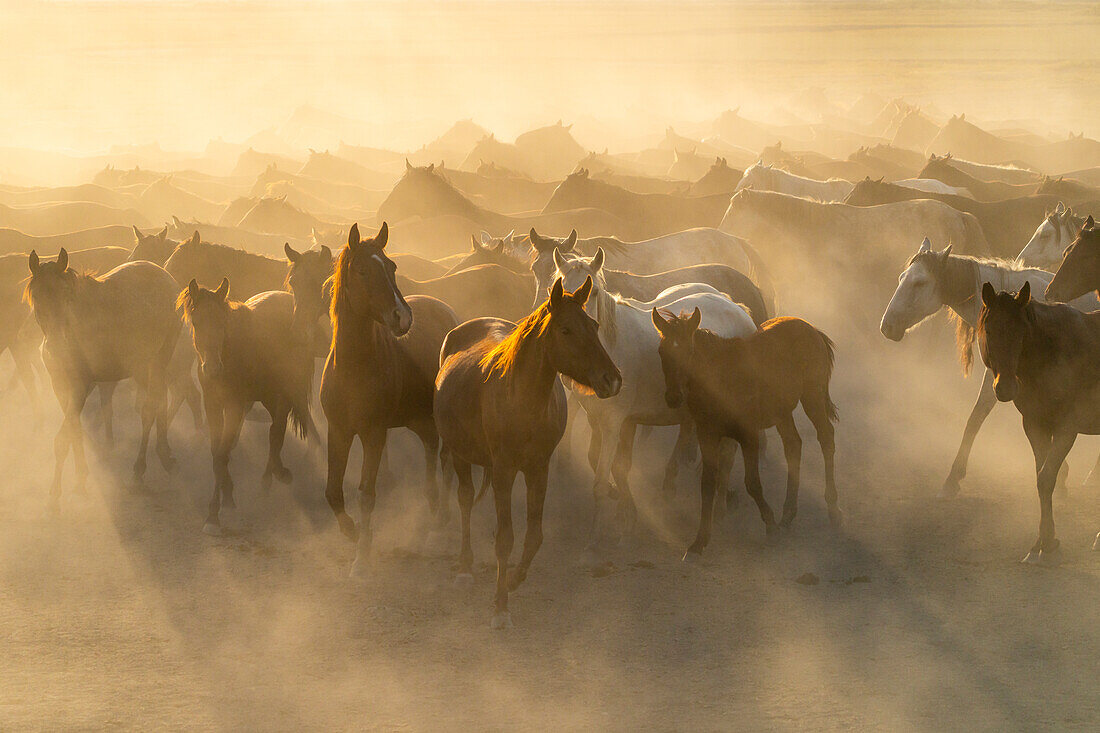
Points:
(248, 352)
(1080, 269)
(379, 374)
(499, 404)
(1046, 360)
(104, 329)
(738, 387)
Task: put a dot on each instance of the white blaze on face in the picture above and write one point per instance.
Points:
(396, 297)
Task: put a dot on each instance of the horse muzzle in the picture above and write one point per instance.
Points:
(891, 331)
(607, 385)
(399, 321)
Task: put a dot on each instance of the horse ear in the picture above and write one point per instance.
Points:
(659, 322)
(326, 251)
(694, 320)
(383, 236)
(559, 261)
(163, 234)
(507, 241)
(486, 237)
(597, 260)
(63, 259)
(926, 245)
(291, 254)
(431, 167)
(1060, 208)
(570, 242)
(195, 239)
(946, 251)
(556, 293)
(32, 262)
(193, 288)
(580, 295)
(476, 244)
(988, 294)
(1089, 223)
(137, 235)
(408, 165)
(353, 235)
(1024, 296)
(536, 240)
(223, 290)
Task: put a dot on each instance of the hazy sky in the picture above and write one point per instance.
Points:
(85, 74)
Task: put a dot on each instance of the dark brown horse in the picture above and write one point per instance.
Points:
(499, 404)
(1046, 360)
(248, 352)
(104, 329)
(738, 387)
(1080, 269)
(379, 374)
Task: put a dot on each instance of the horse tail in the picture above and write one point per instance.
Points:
(831, 410)
(964, 341)
(298, 394)
(760, 275)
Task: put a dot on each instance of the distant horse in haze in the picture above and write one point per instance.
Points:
(941, 169)
(1045, 359)
(248, 352)
(379, 374)
(934, 280)
(484, 290)
(105, 329)
(718, 179)
(762, 177)
(499, 404)
(155, 248)
(736, 388)
(649, 214)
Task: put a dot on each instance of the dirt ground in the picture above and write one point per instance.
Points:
(121, 614)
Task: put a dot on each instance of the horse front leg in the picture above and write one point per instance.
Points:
(107, 410)
(710, 445)
(339, 445)
(373, 444)
(609, 426)
(536, 480)
(503, 476)
(276, 436)
(215, 419)
(686, 445)
(620, 473)
(982, 407)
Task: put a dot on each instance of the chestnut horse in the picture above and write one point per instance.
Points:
(1046, 360)
(103, 330)
(379, 374)
(248, 352)
(499, 404)
(738, 387)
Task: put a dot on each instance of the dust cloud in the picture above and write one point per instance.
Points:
(915, 615)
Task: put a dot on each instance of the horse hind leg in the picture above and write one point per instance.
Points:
(503, 479)
(817, 410)
(792, 451)
(107, 410)
(429, 436)
(982, 407)
(620, 474)
(536, 480)
(465, 575)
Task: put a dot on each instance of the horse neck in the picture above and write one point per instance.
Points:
(359, 340)
(960, 286)
(532, 375)
(607, 313)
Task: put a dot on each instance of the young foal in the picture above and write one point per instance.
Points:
(738, 387)
(248, 352)
(1045, 359)
(379, 374)
(104, 329)
(499, 404)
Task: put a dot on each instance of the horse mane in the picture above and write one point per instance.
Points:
(503, 357)
(79, 277)
(338, 292)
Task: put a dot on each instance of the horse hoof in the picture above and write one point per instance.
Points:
(169, 464)
(836, 518)
(464, 580)
(212, 530)
(501, 621)
(284, 476)
(347, 526)
(692, 557)
(951, 488)
(359, 572)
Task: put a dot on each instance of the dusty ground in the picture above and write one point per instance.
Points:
(120, 614)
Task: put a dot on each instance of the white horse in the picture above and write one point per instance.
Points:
(931, 185)
(934, 280)
(627, 333)
(762, 177)
(1050, 240)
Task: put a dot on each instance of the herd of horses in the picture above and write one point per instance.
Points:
(665, 315)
